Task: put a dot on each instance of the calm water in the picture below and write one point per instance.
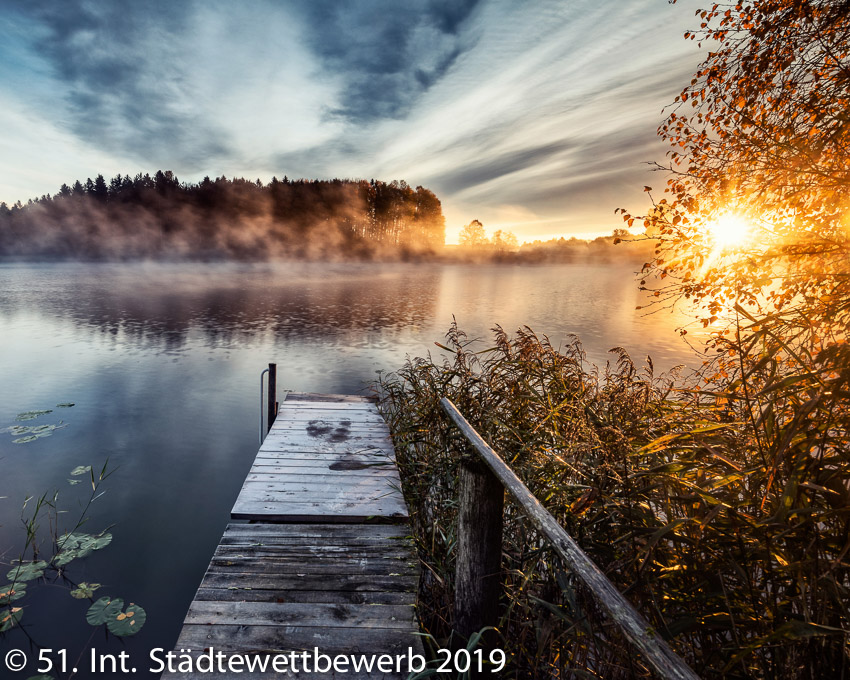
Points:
(162, 363)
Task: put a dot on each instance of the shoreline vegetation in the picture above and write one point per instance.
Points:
(160, 218)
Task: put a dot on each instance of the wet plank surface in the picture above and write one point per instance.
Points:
(326, 565)
(324, 461)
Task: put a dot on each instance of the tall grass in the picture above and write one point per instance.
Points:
(668, 489)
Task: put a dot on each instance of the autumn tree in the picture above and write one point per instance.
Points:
(505, 241)
(473, 235)
(754, 227)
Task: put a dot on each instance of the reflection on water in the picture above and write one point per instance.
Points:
(163, 361)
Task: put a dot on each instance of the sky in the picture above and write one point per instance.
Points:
(538, 117)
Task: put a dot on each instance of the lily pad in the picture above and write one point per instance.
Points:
(65, 404)
(81, 545)
(103, 610)
(9, 618)
(17, 429)
(64, 557)
(80, 470)
(128, 622)
(32, 415)
(9, 593)
(84, 590)
(27, 572)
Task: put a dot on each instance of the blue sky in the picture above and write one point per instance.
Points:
(538, 117)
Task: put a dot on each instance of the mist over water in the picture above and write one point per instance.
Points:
(163, 363)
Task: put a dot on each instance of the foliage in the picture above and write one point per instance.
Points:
(37, 565)
(159, 216)
(473, 235)
(726, 544)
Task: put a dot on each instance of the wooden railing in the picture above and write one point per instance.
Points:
(483, 482)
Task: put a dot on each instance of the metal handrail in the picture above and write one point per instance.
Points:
(658, 653)
(262, 432)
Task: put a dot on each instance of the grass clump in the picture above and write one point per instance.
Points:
(735, 555)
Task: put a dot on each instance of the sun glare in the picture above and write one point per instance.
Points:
(728, 231)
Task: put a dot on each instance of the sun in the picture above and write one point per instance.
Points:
(728, 231)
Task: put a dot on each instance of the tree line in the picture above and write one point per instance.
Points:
(160, 217)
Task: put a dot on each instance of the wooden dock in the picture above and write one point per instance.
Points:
(322, 559)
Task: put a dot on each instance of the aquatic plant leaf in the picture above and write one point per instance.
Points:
(74, 482)
(127, 623)
(65, 404)
(84, 590)
(17, 429)
(27, 572)
(9, 618)
(80, 470)
(89, 543)
(32, 415)
(103, 610)
(9, 593)
(65, 557)
(24, 440)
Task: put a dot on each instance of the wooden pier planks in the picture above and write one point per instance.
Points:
(324, 461)
(344, 582)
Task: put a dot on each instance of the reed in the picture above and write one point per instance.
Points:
(727, 544)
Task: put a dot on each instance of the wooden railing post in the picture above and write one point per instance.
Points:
(664, 660)
(478, 582)
(272, 400)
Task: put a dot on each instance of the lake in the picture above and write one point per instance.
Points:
(162, 363)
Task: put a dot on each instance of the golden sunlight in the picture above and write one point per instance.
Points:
(727, 231)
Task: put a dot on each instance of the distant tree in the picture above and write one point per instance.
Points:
(505, 241)
(64, 190)
(473, 235)
(101, 191)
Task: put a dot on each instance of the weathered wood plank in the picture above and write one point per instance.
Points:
(209, 594)
(301, 614)
(330, 398)
(257, 638)
(243, 580)
(265, 471)
(332, 532)
(292, 513)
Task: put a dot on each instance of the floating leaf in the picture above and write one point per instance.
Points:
(84, 590)
(82, 544)
(127, 623)
(74, 482)
(65, 404)
(32, 415)
(65, 556)
(9, 618)
(24, 440)
(9, 593)
(80, 470)
(103, 610)
(27, 572)
(17, 429)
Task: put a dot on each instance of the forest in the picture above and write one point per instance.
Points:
(160, 217)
